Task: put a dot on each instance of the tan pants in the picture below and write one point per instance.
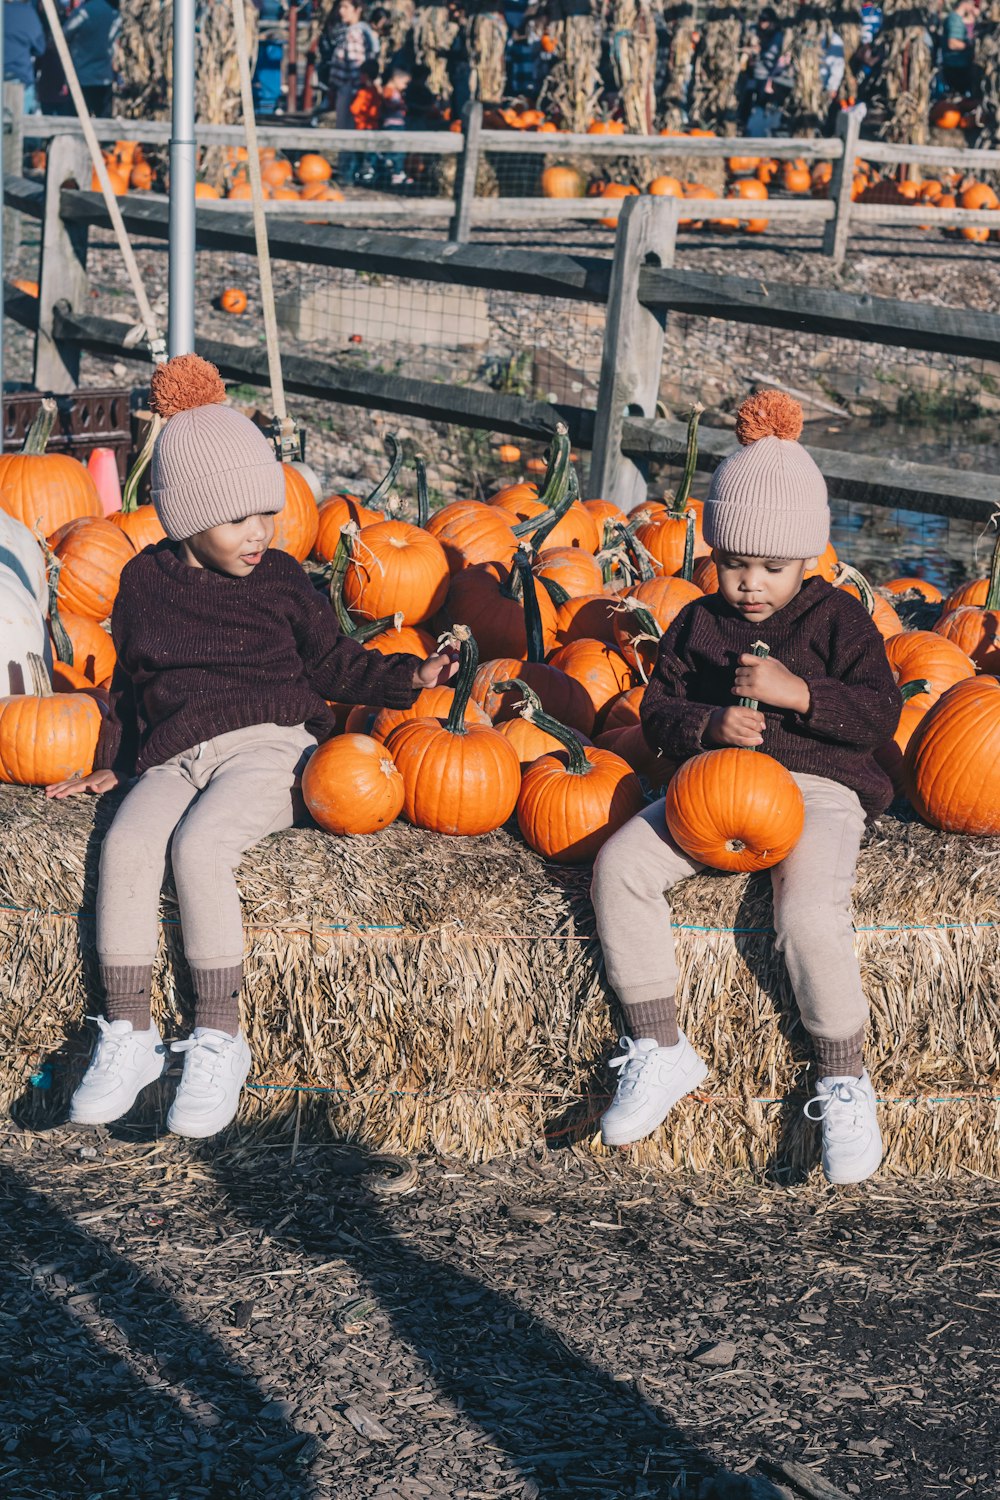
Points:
(812, 909)
(203, 808)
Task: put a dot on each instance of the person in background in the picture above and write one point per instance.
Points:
(958, 48)
(90, 28)
(771, 77)
(348, 50)
(831, 75)
(524, 54)
(394, 118)
(366, 112)
(23, 42)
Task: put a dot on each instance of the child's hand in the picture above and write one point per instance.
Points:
(735, 726)
(97, 782)
(437, 669)
(767, 681)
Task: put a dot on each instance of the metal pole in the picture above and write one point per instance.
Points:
(180, 326)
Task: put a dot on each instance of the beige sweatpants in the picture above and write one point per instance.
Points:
(203, 809)
(812, 909)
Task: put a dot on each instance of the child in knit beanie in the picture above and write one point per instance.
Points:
(827, 700)
(227, 656)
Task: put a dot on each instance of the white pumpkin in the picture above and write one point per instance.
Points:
(22, 555)
(22, 631)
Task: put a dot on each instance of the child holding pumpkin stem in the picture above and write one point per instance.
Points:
(227, 655)
(823, 699)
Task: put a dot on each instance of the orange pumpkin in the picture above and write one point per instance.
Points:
(141, 176)
(884, 617)
(92, 554)
(978, 195)
(296, 526)
(472, 532)
(575, 571)
(645, 613)
(570, 804)
(953, 759)
(233, 300)
(796, 176)
(488, 599)
(524, 734)
(458, 778)
(351, 785)
(562, 182)
(313, 168)
(826, 566)
(507, 453)
(734, 809)
(617, 190)
(624, 712)
(919, 586)
(599, 668)
(665, 187)
(408, 639)
(46, 490)
(631, 744)
(334, 514)
(206, 190)
(45, 736)
(397, 569)
(430, 703)
(931, 656)
(591, 617)
(892, 755)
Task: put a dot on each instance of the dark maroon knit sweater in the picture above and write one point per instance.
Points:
(822, 635)
(201, 653)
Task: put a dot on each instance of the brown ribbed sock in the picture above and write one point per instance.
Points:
(217, 998)
(843, 1058)
(654, 1018)
(126, 993)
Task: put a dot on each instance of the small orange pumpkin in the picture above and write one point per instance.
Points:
(351, 785)
(45, 736)
(233, 300)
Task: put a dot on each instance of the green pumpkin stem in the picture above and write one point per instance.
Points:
(556, 493)
(533, 628)
(532, 709)
(846, 574)
(468, 665)
(993, 588)
(914, 689)
(58, 631)
(338, 572)
(639, 558)
(385, 484)
(130, 495)
(423, 503)
(759, 648)
(555, 591)
(41, 428)
(683, 494)
(687, 566)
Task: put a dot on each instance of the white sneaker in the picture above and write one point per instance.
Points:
(123, 1062)
(215, 1069)
(652, 1080)
(852, 1141)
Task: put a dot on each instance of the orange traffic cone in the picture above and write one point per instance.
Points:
(103, 467)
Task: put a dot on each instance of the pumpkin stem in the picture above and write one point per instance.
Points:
(610, 558)
(468, 663)
(556, 493)
(690, 464)
(761, 649)
(384, 485)
(993, 588)
(846, 575)
(555, 591)
(423, 503)
(639, 558)
(58, 631)
(130, 497)
(531, 704)
(533, 630)
(687, 566)
(41, 682)
(41, 428)
(578, 764)
(914, 689)
(338, 572)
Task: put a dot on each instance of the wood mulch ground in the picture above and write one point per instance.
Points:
(211, 1321)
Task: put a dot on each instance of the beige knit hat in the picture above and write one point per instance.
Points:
(768, 499)
(211, 464)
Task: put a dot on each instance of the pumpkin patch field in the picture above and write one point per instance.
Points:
(433, 922)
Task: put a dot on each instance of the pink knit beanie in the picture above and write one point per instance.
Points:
(211, 464)
(768, 499)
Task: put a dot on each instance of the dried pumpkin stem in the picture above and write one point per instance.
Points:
(642, 563)
(41, 428)
(60, 636)
(130, 497)
(468, 663)
(385, 484)
(41, 682)
(555, 591)
(531, 704)
(848, 575)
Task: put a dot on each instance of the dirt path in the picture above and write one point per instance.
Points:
(215, 1322)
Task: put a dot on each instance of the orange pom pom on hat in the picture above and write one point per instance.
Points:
(768, 499)
(210, 463)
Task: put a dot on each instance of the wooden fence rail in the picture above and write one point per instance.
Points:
(639, 287)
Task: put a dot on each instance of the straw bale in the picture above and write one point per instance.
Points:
(483, 1022)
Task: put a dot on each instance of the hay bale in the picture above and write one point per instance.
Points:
(448, 993)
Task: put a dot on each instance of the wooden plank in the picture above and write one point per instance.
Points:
(931, 156)
(841, 186)
(24, 196)
(13, 156)
(581, 278)
(876, 320)
(632, 356)
(914, 215)
(19, 306)
(288, 137)
(870, 479)
(468, 168)
(518, 142)
(350, 384)
(63, 274)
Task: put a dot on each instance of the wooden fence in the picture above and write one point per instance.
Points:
(837, 214)
(638, 287)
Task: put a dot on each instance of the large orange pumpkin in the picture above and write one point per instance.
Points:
(77, 641)
(397, 569)
(575, 571)
(644, 614)
(591, 617)
(734, 809)
(953, 759)
(631, 744)
(570, 804)
(296, 526)
(928, 591)
(599, 668)
(927, 655)
(624, 712)
(45, 490)
(489, 600)
(351, 785)
(333, 515)
(459, 778)
(313, 168)
(562, 182)
(46, 736)
(92, 554)
(408, 639)
(892, 755)
(975, 629)
(472, 532)
(431, 703)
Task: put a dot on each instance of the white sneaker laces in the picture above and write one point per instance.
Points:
(632, 1062)
(108, 1052)
(200, 1068)
(839, 1106)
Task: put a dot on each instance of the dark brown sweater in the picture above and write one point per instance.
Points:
(200, 654)
(822, 635)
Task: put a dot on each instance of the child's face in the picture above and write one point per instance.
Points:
(235, 548)
(757, 587)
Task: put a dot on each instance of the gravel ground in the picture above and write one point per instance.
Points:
(215, 1321)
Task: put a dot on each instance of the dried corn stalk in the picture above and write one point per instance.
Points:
(401, 14)
(988, 58)
(807, 106)
(573, 86)
(488, 55)
(633, 55)
(434, 31)
(717, 70)
(906, 73)
(681, 57)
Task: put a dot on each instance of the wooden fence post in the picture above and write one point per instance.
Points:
(632, 358)
(63, 274)
(836, 230)
(465, 176)
(13, 163)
